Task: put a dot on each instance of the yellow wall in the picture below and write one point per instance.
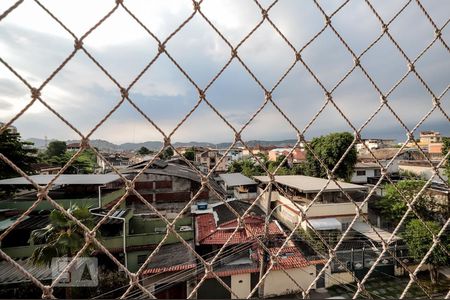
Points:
(278, 283)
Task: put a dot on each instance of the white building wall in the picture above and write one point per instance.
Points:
(240, 285)
(362, 178)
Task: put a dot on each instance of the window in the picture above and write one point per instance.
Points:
(377, 172)
(360, 173)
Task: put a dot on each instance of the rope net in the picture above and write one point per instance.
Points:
(329, 254)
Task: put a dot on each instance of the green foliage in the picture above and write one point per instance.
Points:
(330, 149)
(85, 163)
(190, 154)
(56, 148)
(392, 206)
(445, 149)
(251, 168)
(62, 237)
(144, 151)
(420, 240)
(167, 153)
(19, 152)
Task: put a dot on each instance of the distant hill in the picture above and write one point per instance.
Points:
(156, 145)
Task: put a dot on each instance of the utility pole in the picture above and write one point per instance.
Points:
(263, 263)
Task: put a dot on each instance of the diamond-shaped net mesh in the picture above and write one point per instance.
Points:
(206, 265)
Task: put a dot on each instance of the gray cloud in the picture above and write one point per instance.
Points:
(83, 94)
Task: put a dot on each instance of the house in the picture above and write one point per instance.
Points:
(297, 155)
(374, 144)
(256, 150)
(330, 215)
(238, 186)
(125, 234)
(331, 211)
(169, 276)
(422, 168)
(385, 155)
(435, 151)
(118, 160)
(210, 159)
(73, 147)
(168, 187)
(365, 170)
(428, 137)
(239, 264)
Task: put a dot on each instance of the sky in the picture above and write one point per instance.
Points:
(35, 45)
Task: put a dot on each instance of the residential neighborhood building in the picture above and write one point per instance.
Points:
(331, 211)
(240, 264)
(256, 150)
(125, 234)
(374, 144)
(117, 160)
(210, 159)
(423, 169)
(435, 151)
(168, 187)
(297, 155)
(428, 137)
(238, 186)
(386, 155)
(73, 146)
(363, 171)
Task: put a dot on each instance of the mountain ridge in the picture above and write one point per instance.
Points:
(156, 145)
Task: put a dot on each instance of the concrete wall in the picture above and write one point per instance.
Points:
(426, 172)
(240, 285)
(325, 209)
(337, 278)
(278, 283)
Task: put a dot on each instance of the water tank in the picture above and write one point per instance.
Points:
(202, 205)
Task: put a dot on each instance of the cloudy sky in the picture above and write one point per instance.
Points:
(34, 45)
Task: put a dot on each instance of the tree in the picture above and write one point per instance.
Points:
(189, 154)
(19, 152)
(445, 149)
(144, 151)
(330, 149)
(62, 237)
(392, 206)
(56, 149)
(420, 240)
(167, 153)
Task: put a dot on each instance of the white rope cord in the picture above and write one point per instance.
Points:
(206, 266)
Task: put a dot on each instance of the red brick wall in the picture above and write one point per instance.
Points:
(173, 197)
(165, 184)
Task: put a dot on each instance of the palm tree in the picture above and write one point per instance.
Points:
(62, 237)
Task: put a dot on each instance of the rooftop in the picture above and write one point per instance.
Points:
(208, 233)
(171, 258)
(64, 179)
(308, 184)
(236, 179)
(367, 165)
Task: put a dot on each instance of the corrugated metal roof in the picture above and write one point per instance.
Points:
(171, 258)
(72, 179)
(308, 184)
(236, 179)
(9, 274)
(7, 222)
(171, 169)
